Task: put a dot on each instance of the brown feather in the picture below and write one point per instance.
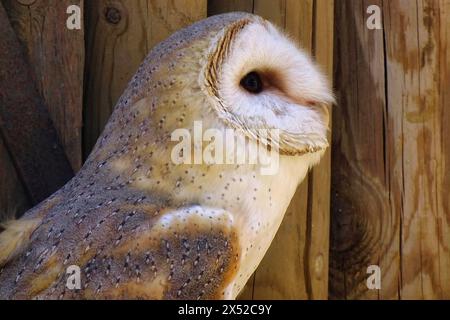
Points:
(15, 237)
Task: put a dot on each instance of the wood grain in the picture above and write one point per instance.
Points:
(119, 36)
(390, 186)
(221, 6)
(13, 197)
(318, 222)
(300, 248)
(29, 139)
(56, 55)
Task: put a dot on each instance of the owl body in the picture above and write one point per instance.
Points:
(140, 225)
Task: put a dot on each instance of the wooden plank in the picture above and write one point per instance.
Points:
(119, 36)
(300, 248)
(220, 6)
(299, 22)
(275, 11)
(444, 117)
(13, 197)
(360, 201)
(318, 221)
(56, 55)
(33, 145)
(413, 48)
(390, 187)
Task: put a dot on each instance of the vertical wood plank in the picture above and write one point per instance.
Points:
(34, 150)
(275, 11)
(299, 23)
(362, 224)
(13, 197)
(56, 55)
(318, 221)
(390, 185)
(220, 6)
(413, 93)
(300, 248)
(444, 168)
(119, 36)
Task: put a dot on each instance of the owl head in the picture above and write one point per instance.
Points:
(257, 78)
(235, 70)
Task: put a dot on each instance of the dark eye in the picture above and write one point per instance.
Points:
(252, 82)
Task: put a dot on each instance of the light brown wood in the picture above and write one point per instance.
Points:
(275, 11)
(444, 168)
(56, 55)
(119, 36)
(299, 23)
(390, 181)
(296, 264)
(318, 222)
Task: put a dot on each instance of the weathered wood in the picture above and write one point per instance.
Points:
(275, 11)
(56, 56)
(444, 114)
(119, 36)
(300, 248)
(390, 181)
(221, 6)
(13, 197)
(33, 146)
(318, 222)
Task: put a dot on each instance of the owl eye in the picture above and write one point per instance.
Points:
(252, 82)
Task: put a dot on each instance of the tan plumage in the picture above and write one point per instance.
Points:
(141, 226)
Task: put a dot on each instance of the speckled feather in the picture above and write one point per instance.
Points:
(139, 226)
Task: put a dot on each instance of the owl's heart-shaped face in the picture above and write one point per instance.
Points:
(259, 79)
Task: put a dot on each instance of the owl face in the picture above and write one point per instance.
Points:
(257, 78)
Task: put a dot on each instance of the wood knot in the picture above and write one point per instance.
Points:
(113, 15)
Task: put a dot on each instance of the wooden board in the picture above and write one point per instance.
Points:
(119, 36)
(391, 155)
(13, 197)
(296, 264)
(56, 55)
(220, 6)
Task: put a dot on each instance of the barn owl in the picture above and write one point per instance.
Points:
(138, 225)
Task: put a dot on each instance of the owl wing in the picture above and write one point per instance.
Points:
(184, 253)
(15, 237)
